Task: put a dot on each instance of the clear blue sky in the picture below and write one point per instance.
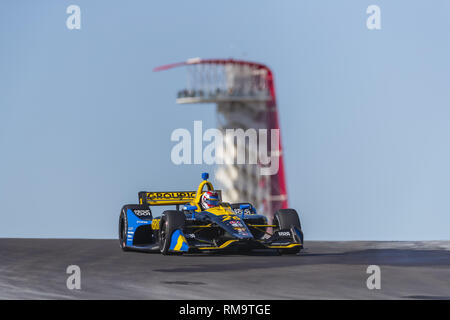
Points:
(85, 123)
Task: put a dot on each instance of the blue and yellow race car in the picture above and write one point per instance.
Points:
(191, 228)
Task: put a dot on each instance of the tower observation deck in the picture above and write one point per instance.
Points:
(244, 94)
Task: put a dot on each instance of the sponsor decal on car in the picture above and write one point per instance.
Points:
(280, 243)
(237, 224)
(157, 196)
(155, 224)
(142, 213)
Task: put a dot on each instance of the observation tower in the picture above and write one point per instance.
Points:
(244, 95)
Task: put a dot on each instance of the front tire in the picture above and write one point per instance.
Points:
(285, 219)
(170, 221)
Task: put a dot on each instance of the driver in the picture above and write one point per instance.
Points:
(209, 199)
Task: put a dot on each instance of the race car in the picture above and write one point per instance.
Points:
(199, 225)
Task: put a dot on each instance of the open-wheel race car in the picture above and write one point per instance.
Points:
(200, 221)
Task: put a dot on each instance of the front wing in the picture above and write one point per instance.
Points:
(283, 239)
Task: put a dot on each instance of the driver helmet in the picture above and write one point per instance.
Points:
(209, 199)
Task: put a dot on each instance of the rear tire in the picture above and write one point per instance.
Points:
(170, 221)
(123, 228)
(285, 219)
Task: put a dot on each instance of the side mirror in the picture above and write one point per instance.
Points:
(190, 208)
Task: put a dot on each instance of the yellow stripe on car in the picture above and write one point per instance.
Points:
(226, 244)
(180, 242)
(285, 247)
(261, 225)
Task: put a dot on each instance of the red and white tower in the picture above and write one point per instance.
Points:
(244, 93)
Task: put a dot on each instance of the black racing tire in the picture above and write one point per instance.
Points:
(285, 219)
(123, 227)
(170, 221)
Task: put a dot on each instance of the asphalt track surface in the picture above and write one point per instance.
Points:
(36, 269)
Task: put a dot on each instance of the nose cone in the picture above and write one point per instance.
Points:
(239, 230)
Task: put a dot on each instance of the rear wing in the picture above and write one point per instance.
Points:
(162, 198)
